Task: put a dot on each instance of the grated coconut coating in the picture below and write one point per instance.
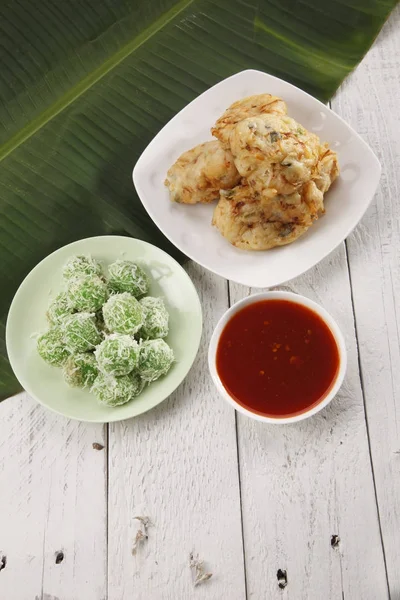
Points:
(80, 266)
(80, 370)
(85, 318)
(51, 347)
(156, 318)
(117, 355)
(80, 332)
(126, 276)
(114, 391)
(87, 294)
(59, 308)
(155, 359)
(123, 314)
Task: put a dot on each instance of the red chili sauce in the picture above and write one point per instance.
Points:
(277, 358)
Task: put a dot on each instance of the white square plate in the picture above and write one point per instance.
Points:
(189, 227)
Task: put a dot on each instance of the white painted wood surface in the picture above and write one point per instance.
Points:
(52, 500)
(304, 483)
(369, 101)
(179, 465)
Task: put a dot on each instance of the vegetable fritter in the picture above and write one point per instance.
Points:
(251, 222)
(252, 106)
(274, 152)
(269, 173)
(200, 173)
(327, 168)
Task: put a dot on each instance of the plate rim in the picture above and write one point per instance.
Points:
(238, 279)
(31, 275)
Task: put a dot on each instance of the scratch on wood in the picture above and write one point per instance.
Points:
(281, 576)
(142, 533)
(97, 446)
(198, 572)
(3, 561)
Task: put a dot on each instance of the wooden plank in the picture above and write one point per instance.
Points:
(52, 505)
(306, 482)
(369, 101)
(177, 465)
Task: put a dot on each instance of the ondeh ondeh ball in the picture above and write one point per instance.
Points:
(87, 294)
(126, 276)
(80, 266)
(51, 347)
(123, 314)
(156, 318)
(113, 391)
(155, 359)
(59, 308)
(117, 355)
(80, 370)
(80, 332)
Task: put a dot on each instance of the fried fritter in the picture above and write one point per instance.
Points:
(267, 171)
(303, 206)
(252, 106)
(327, 168)
(200, 173)
(251, 221)
(274, 152)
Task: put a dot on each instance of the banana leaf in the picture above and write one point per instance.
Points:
(85, 85)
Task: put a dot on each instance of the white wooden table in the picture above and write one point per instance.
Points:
(309, 511)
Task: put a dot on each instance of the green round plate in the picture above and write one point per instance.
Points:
(27, 317)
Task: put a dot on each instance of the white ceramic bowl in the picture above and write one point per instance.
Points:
(189, 227)
(325, 316)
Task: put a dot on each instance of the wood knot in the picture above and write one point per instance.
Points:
(142, 533)
(335, 541)
(97, 446)
(199, 574)
(281, 576)
(3, 561)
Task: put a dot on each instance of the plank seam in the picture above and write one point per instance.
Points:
(361, 377)
(107, 494)
(239, 479)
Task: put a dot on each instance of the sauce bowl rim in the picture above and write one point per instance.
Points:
(298, 299)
